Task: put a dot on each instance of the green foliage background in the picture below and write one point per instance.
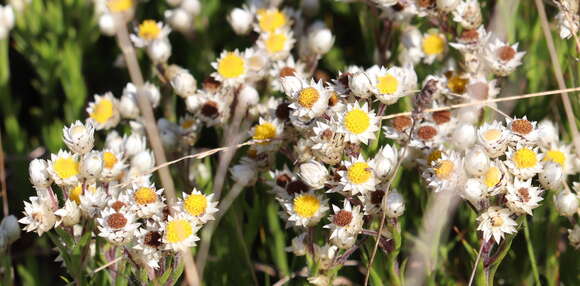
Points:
(55, 60)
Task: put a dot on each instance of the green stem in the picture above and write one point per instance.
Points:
(499, 256)
(530, 247)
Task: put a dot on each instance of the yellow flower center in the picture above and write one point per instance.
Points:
(387, 84)
(145, 196)
(555, 156)
(231, 66)
(78, 130)
(103, 111)
(433, 156)
(75, 194)
(357, 121)
(497, 221)
(444, 169)
(178, 230)
(307, 97)
(66, 167)
(264, 131)
(359, 172)
(109, 160)
(525, 158)
(492, 177)
(195, 204)
(270, 21)
(187, 124)
(149, 30)
(119, 5)
(306, 206)
(275, 43)
(433, 44)
(457, 84)
(491, 134)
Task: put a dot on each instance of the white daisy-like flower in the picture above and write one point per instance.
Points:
(468, 14)
(433, 46)
(496, 178)
(501, 58)
(277, 44)
(117, 227)
(179, 233)
(92, 200)
(471, 40)
(149, 31)
(79, 137)
(372, 201)
(279, 180)
(328, 142)
(523, 161)
(198, 206)
(297, 246)
(359, 176)
(389, 84)
(496, 222)
(445, 173)
(272, 20)
(231, 68)
(306, 209)
(523, 131)
(149, 244)
(113, 165)
(385, 161)
(284, 68)
(325, 255)
(64, 168)
(104, 111)
(69, 214)
(494, 138)
(38, 216)
(522, 197)
(398, 129)
(213, 109)
(358, 123)
(567, 18)
(310, 101)
(266, 134)
(426, 134)
(562, 155)
(574, 236)
(146, 201)
(346, 223)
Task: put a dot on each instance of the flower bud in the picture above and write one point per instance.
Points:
(179, 19)
(393, 204)
(143, 161)
(249, 95)
(38, 173)
(134, 144)
(464, 136)
(476, 162)
(79, 137)
(193, 7)
(566, 203)
(574, 236)
(244, 173)
(551, 176)
(291, 84)
(320, 38)
(115, 142)
(107, 24)
(168, 132)
(10, 229)
(152, 93)
(474, 190)
(159, 51)
(314, 174)
(468, 115)
(447, 5)
(91, 165)
(184, 84)
(69, 215)
(360, 84)
(128, 103)
(548, 133)
(240, 20)
(385, 161)
(193, 103)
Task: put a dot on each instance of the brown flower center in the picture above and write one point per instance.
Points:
(321, 75)
(522, 126)
(401, 123)
(342, 218)
(296, 187)
(426, 132)
(506, 53)
(210, 109)
(524, 194)
(282, 180)
(343, 79)
(426, 3)
(152, 239)
(441, 117)
(283, 111)
(116, 220)
(469, 35)
(326, 134)
(117, 205)
(286, 71)
(210, 84)
(333, 99)
(377, 197)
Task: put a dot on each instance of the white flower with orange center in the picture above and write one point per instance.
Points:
(496, 222)
(494, 138)
(64, 168)
(502, 58)
(231, 68)
(271, 20)
(426, 134)
(523, 130)
(359, 176)
(149, 31)
(306, 209)
(113, 165)
(445, 173)
(92, 199)
(346, 224)
(117, 227)
(522, 197)
(277, 44)
(104, 111)
(147, 201)
(284, 68)
(267, 133)
(358, 123)
(38, 216)
(524, 161)
(149, 244)
(179, 233)
(309, 101)
(496, 178)
(561, 155)
(433, 46)
(389, 84)
(198, 206)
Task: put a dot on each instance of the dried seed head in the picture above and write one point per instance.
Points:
(522, 126)
(116, 220)
(524, 194)
(152, 239)
(400, 123)
(117, 205)
(283, 111)
(210, 109)
(287, 71)
(426, 132)
(296, 187)
(342, 218)
(506, 53)
(441, 117)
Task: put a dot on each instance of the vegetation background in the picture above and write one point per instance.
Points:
(55, 60)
